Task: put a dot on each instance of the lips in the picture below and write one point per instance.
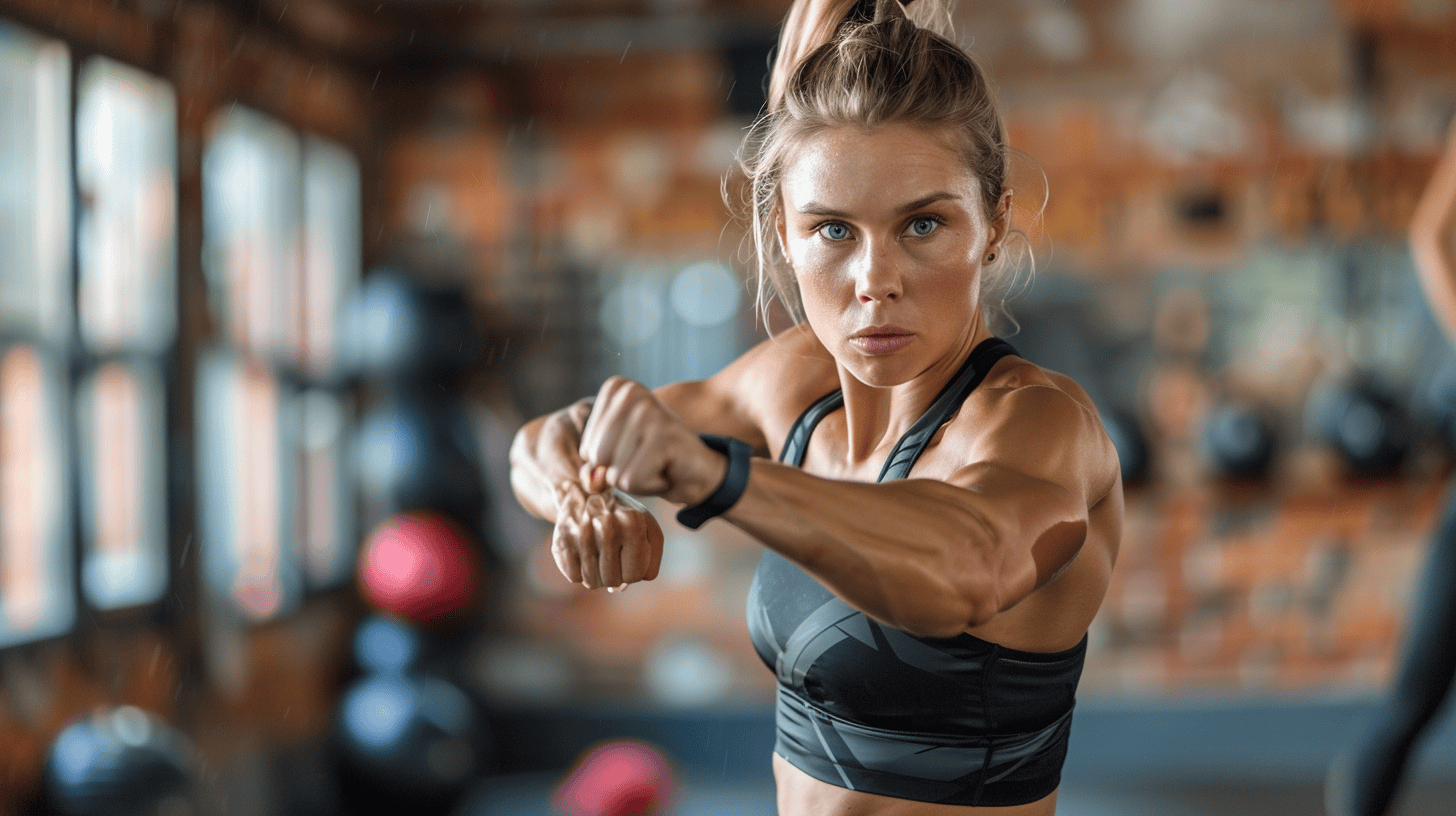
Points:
(882, 339)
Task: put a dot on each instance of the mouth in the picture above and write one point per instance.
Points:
(882, 339)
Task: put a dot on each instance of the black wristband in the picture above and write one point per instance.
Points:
(729, 490)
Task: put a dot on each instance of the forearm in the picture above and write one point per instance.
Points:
(913, 554)
(1432, 232)
(543, 457)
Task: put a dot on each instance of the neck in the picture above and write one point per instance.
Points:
(878, 416)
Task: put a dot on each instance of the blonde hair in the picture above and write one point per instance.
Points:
(840, 65)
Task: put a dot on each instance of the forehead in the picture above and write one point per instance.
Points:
(841, 166)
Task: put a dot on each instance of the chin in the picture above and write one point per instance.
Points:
(885, 371)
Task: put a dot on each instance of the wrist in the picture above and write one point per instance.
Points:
(736, 455)
(713, 473)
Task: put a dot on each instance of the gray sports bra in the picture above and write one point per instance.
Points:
(870, 708)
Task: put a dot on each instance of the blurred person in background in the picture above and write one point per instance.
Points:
(1365, 778)
(940, 516)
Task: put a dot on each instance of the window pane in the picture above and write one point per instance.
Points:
(324, 508)
(119, 423)
(247, 554)
(35, 185)
(331, 259)
(126, 149)
(36, 599)
(252, 214)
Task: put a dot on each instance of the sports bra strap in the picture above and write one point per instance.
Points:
(797, 443)
(909, 447)
(907, 451)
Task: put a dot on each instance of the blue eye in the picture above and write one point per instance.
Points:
(923, 226)
(834, 232)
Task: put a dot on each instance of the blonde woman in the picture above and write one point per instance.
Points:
(940, 517)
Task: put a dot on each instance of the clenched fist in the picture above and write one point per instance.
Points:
(638, 445)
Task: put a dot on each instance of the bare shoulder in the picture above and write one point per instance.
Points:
(782, 376)
(1043, 423)
(758, 396)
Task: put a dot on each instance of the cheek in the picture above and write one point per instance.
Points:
(823, 301)
(951, 289)
(817, 276)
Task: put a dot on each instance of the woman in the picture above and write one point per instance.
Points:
(1365, 777)
(943, 516)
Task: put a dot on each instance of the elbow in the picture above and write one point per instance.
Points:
(971, 579)
(957, 598)
(960, 611)
(1428, 229)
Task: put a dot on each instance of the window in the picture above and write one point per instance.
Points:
(126, 173)
(281, 251)
(36, 596)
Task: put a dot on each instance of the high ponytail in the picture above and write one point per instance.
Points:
(810, 24)
(872, 63)
(814, 23)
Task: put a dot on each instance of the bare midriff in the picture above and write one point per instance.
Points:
(802, 795)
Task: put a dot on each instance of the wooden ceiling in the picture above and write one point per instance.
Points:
(370, 32)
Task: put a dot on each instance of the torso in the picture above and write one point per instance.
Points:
(802, 795)
(1053, 618)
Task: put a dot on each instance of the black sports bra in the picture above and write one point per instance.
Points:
(866, 707)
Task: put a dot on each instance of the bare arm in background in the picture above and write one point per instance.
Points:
(1433, 238)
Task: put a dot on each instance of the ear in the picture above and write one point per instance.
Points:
(1000, 221)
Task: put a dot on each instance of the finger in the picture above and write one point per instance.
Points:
(636, 556)
(586, 553)
(609, 549)
(603, 425)
(563, 551)
(569, 497)
(579, 537)
(654, 539)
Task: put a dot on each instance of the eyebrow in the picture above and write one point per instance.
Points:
(815, 208)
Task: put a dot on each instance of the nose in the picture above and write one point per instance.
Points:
(878, 277)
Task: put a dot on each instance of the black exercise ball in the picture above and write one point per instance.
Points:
(1436, 404)
(398, 328)
(1240, 441)
(1366, 425)
(117, 762)
(418, 455)
(1130, 442)
(407, 745)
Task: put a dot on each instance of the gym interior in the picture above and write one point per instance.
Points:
(281, 278)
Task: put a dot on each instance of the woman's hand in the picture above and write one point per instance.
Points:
(634, 443)
(544, 459)
(604, 538)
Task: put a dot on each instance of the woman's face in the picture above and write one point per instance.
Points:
(886, 234)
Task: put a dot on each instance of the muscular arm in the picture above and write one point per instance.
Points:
(935, 558)
(1432, 234)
